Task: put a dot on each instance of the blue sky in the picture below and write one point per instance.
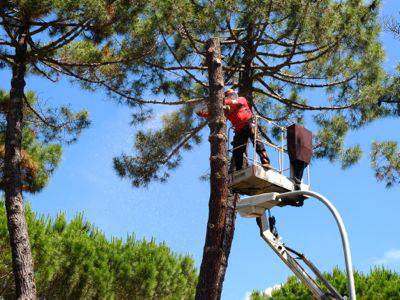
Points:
(176, 212)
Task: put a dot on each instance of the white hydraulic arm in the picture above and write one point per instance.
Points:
(285, 254)
(256, 206)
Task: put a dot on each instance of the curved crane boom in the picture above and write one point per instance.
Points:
(255, 207)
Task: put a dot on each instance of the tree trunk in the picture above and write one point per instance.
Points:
(215, 255)
(19, 239)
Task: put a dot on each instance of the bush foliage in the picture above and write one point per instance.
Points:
(379, 284)
(74, 260)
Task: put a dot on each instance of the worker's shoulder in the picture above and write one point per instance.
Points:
(242, 100)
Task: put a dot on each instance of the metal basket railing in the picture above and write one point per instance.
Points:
(277, 153)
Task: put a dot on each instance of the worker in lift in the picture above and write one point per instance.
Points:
(238, 112)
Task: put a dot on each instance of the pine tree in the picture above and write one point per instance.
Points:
(379, 283)
(42, 139)
(273, 52)
(385, 155)
(74, 260)
(214, 254)
(34, 35)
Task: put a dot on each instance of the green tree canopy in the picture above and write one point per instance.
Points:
(378, 284)
(74, 260)
(319, 60)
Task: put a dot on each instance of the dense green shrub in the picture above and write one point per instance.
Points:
(379, 284)
(76, 261)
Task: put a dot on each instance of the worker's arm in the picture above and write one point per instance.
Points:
(232, 105)
(206, 114)
(231, 102)
(203, 114)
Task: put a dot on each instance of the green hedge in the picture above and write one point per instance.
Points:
(74, 260)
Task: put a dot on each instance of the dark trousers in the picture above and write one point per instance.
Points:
(240, 142)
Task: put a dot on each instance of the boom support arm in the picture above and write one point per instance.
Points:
(285, 254)
(255, 207)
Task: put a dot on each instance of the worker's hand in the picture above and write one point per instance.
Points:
(227, 108)
(203, 114)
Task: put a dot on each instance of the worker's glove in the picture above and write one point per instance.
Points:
(227, 108)
(203, 114)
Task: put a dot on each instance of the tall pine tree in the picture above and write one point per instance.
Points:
(34, 35)
(42, 136)
(288, 58)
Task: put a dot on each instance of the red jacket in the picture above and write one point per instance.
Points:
(239, 113)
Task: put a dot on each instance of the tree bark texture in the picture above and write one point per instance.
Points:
(17, 227)
(218, 235)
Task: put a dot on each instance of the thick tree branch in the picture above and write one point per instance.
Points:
(117, 91)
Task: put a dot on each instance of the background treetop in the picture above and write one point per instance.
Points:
(379, 283)
(51, 26)
(74, 259)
